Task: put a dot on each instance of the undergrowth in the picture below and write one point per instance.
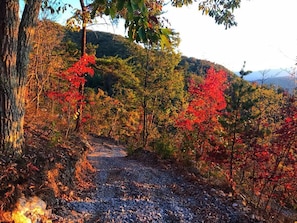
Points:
(51, 168)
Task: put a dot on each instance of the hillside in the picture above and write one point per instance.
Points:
(202, 146)
(108, 44)
(119, 46)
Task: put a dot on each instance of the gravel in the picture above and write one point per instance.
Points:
(131, 191)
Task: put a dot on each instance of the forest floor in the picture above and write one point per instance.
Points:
(143, 188)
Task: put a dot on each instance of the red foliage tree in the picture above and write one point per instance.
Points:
(207, 100)
(276, 162)
(200, 119)
(70, 96)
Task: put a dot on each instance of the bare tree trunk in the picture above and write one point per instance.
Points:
(83, 52)
(144, 104)
(84, 27)
(15, 38)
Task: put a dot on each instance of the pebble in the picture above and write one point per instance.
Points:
(129, 191)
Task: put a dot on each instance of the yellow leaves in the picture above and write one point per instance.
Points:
(73, 25)
(165, 38)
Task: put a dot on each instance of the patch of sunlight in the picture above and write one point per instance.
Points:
(31, 210)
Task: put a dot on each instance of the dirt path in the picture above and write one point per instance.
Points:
(130, 191)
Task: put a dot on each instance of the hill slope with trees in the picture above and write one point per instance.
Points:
(244, 132)
(236, 135)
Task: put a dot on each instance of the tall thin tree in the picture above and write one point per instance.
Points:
(84, 17)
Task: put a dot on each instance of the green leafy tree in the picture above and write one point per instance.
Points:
(124, 80)
(237, 120)
(115, 81)
(161, 95)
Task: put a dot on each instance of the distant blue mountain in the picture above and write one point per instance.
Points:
(286, 82)
(266, 74)
(274, 77)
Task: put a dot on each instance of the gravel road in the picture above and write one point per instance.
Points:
(132, 191)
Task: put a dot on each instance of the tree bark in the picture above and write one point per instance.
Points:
(84, 27)
(83, 52)
(15, 36)
(144, 104)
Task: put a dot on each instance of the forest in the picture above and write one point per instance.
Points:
(201, 115)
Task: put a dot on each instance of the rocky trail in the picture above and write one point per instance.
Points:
(128, 190)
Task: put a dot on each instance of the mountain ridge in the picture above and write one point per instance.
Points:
(116, 45)
(113, 45)
(287, 83)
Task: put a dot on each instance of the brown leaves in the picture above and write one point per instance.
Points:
(46, 168)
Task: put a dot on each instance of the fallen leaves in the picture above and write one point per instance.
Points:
(46, 170)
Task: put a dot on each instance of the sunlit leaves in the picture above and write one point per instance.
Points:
(74, 76)
(207, 100)
(45, 61)
(199, 122)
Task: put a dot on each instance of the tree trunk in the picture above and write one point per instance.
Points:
(14, 57)
(84, 27)
(83, 52)
(144, 105)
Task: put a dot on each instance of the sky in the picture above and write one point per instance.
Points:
(265, 37)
